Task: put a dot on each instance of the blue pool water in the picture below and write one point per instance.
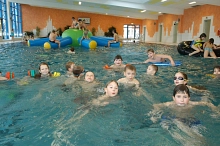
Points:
(44, 113)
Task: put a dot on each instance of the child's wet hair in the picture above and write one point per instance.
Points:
(150, 50)
(217, 67)
(181, 89)
(202, 35)
(111, 82)
(68, 64)
(118, 57)
(155, 67)
(211, 41)
(72, 49)
(44, 63)
(184, 75)
(130, 67)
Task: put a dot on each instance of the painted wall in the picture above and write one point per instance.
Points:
(189, 27)
(38, 16)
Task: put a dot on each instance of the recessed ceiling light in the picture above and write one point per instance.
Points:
(143, 11)
(192, 3)
(159, 12)
(132, 23)
(128, 16)
(163, 0)
(106, 13)
(80, 3)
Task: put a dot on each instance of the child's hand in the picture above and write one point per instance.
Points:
(173, 64)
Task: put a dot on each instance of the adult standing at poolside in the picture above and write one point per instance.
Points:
(52, 38)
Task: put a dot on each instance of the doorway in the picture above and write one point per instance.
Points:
(175, 29)
(206, 28)
(160, 33)
(131, 31)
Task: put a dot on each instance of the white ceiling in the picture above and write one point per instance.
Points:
(123, 8)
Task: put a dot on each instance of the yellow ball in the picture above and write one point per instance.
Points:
(92, 45)
(47, 45)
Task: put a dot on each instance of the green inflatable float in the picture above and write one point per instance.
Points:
(75, 34)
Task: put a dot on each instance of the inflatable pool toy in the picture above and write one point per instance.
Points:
(177, 63)
(63, 42)
(56, 74)
(184, 48)
(39, 42)
(10, 75)
(87, 43)
(103, 41)
(31, 73)
(75, 34)
(211, 75)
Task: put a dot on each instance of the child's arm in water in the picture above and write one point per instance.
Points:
(166, 56)
(210, 105)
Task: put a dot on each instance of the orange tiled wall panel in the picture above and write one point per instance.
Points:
(38, 16)
(195, 15)
(151, 26)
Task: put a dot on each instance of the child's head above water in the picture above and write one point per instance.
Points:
(216, 70)
(180, 78)
(181, 95)
(152, 69)
(118, 60)
(89, 76)
(150, 53)
(44, 69)
(129, 72)
(77, 70)
(69, 66)
(111, 88)
(72, 49)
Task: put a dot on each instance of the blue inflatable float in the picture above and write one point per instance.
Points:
(88, 43)
(63, 42)
(103, 41)
(39, 41)
(177, 63)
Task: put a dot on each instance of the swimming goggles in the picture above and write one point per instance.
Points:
(179, 78)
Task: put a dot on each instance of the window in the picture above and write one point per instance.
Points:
(131, 31)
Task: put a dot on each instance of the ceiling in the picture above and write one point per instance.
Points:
(123, 8)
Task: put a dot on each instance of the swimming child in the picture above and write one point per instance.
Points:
(69, 67)
(78, 71)
(85, 35)
(182, 120)
(1, 77)
(71, 51)
(216, 70)
(129, 80)
(197, 44)
(116, 38)
(111, 90)
(118, 63)
(44, 71)
(158, 57)
(208, 47)
(152, 69)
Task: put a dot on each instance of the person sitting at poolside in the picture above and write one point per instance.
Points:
(129, 80)
(152, 69)
(197, 44)
(118, 63)
(71, 51)
(52, 38)
(85, 35)
(158, 57)
(116, 38)
(208, 47)
(2, 78)
(44, 71)
(74, 23)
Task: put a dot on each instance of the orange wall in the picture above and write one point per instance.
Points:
(168, 19)
(151, 26)
(195, 15)
(38, 16)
